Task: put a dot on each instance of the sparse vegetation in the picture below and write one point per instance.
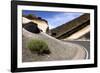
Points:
(31, 16)
(38, 46)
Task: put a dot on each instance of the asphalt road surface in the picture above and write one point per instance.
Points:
(85, 44)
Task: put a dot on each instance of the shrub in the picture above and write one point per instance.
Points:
(30, 16)
(38, 46)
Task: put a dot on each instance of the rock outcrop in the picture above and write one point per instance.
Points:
(32, 27)
(39, 22)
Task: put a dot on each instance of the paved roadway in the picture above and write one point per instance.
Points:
(85, 44)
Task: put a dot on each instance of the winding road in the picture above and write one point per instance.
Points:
(60, 50)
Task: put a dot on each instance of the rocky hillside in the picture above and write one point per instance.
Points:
(38, 21)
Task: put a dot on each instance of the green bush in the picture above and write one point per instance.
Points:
(38, 46)
(30, 16)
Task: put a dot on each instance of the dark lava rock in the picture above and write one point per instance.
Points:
(32, 27)
(44, 52)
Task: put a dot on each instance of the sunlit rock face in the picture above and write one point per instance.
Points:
(41, 24)
(25, 20)
(38, 23)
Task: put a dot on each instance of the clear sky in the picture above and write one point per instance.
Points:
(54, 18)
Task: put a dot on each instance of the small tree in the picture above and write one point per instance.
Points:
(30, 16)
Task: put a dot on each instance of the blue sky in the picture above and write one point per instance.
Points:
(54, 18)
